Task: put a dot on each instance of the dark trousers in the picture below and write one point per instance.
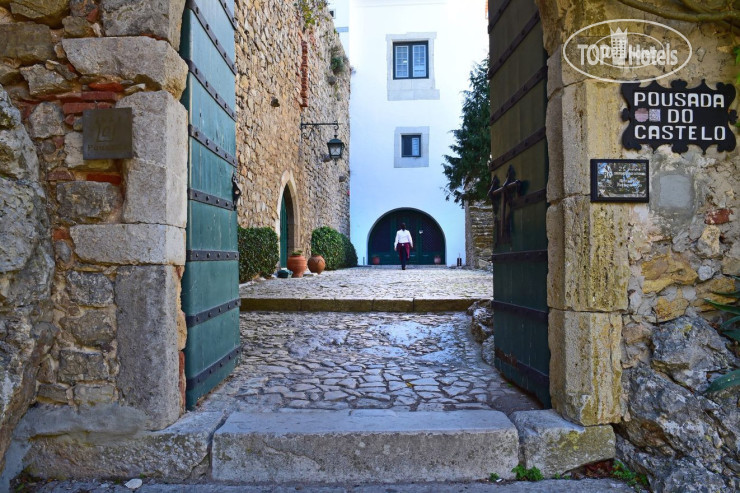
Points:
(404, 251)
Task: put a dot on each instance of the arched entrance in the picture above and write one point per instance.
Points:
(429, 239)
(287, 226)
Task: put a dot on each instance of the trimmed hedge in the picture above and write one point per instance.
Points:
(337, 250)
(259, 252)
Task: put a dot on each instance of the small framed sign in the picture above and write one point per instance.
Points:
(620, 180)
(107, 134)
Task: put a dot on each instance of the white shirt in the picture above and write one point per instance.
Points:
(403, 236)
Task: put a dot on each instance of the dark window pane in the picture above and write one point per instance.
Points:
(410, 145)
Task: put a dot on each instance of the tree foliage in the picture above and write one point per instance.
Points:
(467, 172)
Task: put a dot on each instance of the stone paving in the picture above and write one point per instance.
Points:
(375, 283)
(375, 360)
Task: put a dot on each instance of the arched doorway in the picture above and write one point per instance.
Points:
(287, 226)
(429, 239)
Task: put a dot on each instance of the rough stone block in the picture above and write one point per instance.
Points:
(79, 366)
(93, 395)
(94, 328)
(149, 375)
(161, 20)
(42, 81)
(160, 66)
(87, 201)
(588, 256)
(26, 42)
(19, 235)
(18, 157)
(316, 446)
(663, 270)
(46, 120)
(156, 194)
(50, 11)
(554, 445)
(352, 305)
(585, 367)
(172, 453)
(89, 288)
(160, 129)
(129, 243)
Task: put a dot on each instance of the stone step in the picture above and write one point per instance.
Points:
(358, 304)
(364, 446)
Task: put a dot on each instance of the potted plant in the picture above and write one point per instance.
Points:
(376, 260)
(316, 263)
(297, 263)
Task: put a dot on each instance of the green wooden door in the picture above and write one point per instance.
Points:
(210, 286)
(428, 238)
(283, 233)
(518, 77)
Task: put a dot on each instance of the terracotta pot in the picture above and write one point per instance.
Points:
(437, 260)
(297, 263)
(316, 264)
(376, 260)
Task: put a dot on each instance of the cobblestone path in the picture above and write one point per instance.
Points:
(373, 283)
(335, 361)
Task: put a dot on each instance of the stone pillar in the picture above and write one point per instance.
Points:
(588, 267)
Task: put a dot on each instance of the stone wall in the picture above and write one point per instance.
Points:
(26, 270)
(111, 252)
(621, 276)
(285, 77)
(478, 234)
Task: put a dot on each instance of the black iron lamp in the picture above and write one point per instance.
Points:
(336, 146)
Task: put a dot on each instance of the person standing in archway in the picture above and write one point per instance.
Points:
(403, 245)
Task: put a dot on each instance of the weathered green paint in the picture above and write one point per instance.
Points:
(428, 237)
(283, 233)
(521, 340)
(209, 284)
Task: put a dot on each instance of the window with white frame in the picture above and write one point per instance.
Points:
(411, 147)
(410, 60)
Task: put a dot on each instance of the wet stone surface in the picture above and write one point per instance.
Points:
(336, 361)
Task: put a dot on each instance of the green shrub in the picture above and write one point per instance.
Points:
(259, 252)
(531, 474)
(337, 250)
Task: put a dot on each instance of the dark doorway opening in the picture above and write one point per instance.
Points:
(287, 227)
(428, 237)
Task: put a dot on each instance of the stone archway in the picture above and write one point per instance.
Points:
(288, 222)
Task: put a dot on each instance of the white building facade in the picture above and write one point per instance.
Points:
(411, 61)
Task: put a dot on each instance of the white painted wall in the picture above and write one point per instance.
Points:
(341, 20)
(377, 187)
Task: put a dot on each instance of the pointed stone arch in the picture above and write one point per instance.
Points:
(288, 222)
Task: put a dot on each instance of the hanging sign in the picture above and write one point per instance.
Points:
(679, 116)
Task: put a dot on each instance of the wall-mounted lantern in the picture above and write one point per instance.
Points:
(336, 146)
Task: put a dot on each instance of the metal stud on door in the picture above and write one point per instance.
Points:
(210, 285)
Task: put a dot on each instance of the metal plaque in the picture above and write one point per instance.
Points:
(107, 134)
(679, 116)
